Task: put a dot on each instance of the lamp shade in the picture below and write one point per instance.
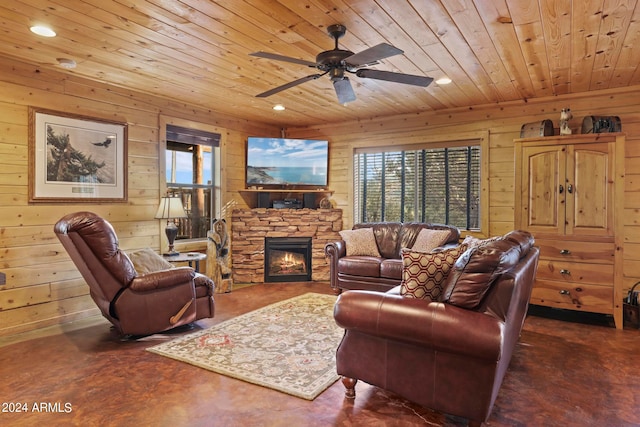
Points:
(170, 207)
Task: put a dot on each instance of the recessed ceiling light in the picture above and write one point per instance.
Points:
(43, 31)
(278, 107)
(67, 63)
(443, 81)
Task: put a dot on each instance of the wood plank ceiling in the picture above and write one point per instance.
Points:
(197, 51)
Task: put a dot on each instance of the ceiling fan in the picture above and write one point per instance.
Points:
(337, 62)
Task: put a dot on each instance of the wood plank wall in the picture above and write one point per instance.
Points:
(502, 122)
(43, 287)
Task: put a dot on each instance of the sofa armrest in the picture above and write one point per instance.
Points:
(436, 325)
(163, 279)
(334, 251)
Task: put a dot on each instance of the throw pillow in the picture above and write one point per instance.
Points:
(429, 239)
(360, 242)
(424, 274)
(473, 242)
(474, 273)
(147, 261)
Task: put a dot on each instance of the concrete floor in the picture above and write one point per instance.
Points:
(579, 371)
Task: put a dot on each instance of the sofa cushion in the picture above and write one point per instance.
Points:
(522, 238)
(360, 242)
(391, 269)
(147, 261)
(386, 235)
(360, 266)
(411, 230)
(393, 236)
(429, 239)
(475, 271)
(424, 273)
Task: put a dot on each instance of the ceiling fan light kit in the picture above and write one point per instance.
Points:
(337, 62)
(344, 91)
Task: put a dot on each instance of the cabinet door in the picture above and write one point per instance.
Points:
(543, 189)
(589, 189)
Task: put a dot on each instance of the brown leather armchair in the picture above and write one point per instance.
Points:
(448, 355)
(134, 304)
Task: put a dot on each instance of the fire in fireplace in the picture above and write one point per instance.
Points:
(287, 259)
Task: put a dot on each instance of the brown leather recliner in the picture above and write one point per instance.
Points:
(134, 304)
(449, 355)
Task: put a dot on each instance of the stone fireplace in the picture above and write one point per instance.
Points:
(251, 227)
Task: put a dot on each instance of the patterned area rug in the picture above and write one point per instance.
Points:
(289, 346)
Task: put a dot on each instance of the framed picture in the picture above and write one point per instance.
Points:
(75, 158)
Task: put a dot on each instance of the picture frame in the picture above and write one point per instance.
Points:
(74, 158)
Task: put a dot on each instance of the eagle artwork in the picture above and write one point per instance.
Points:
(104, 143)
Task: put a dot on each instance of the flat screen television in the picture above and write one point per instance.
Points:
(285, 163)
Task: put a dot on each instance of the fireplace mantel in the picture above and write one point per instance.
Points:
(249, 227)
(264, 197)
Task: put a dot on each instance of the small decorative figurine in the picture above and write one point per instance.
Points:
(565, 116)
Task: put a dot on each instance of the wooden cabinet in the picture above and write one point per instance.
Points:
(568, 193)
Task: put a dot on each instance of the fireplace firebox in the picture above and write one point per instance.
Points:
(287, 259)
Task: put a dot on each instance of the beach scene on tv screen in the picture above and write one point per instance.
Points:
(286, 161)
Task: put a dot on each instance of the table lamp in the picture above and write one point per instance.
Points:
(169, 209)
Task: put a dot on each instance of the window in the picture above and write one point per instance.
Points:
(192, 171)
(440, 185)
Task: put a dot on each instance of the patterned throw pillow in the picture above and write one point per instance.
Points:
(429, 239)
(360, 242)
(472, 241)
(423, 274)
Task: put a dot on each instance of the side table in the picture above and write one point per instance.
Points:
(190, 257)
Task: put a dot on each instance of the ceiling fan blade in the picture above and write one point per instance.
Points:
(344, 90)
(283, 58)
(408, 79)
(373, 54)
(288, 86)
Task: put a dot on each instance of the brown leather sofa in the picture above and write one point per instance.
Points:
(378, 273)
(134, 304)
(449, 355)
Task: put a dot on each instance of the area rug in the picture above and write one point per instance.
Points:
(289, 346)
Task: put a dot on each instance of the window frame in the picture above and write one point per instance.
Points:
(216, 193)
(197, 198)
(474, 138)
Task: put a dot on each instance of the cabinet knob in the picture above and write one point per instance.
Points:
(561, 189)
(565, 252)
(565, 292)
(565, 272)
